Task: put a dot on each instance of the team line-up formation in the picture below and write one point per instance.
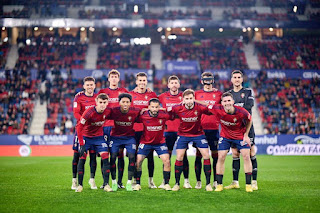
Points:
(142, 122)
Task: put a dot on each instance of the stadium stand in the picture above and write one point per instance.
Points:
(220, 3)
(4, 48)
(51, 50)
(114, 55)
(17, 95)
(219, 53)
(298, 52)
(290, 106)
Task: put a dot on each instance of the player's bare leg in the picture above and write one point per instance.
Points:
(140, 159)
(178, 168)
(220, 169)
(254, 167)
(197, 169)
(206, 167)
(166, 171)
(235, 169)
(247, 168)
(105, 171)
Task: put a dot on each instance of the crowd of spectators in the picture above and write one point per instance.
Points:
(63, 51)
(218, 53)
(23, 13)
(4, 48)
(113, 55)
(298, 52)
(288, 106)
(220, 3)
(17, 94)
(254, 15)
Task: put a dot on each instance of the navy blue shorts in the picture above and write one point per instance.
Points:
(171, 138)
(200, 142)
(251, 135)
(106, 133)
(128, 142)
(225, 144)
(97, 144)
(145, 149)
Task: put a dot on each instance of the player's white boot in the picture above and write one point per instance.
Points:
(74, 184)
(137, 187)
(215, 184)
(209, 188)
(176, 187)
(79, 188)
(134, 182)
(254, 185)
(198, 185)
(92, 183)
(151, 183)
(107, 188)
(186, 184)
(167, 187)
(233, 185)
(162, 185)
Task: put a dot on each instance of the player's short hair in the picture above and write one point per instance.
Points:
(154, 100)
(103, 96)
(125, 95)
(207, 74)
(113, 72)
(173, 77)
(188, 92)
(236, 72)
(226, 94)
(141, 74)
(89, 78)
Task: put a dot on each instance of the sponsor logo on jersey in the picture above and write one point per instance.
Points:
(123, 123)
(140, 102)
(113, 100)
(239, 104)
(192, 119)
(227, 123)
(154, 128)
(86, 107)
(99, 123)
(171, 104)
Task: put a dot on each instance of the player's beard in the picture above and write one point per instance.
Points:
(154, 114)
(189, 106)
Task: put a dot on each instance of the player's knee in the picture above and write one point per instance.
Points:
(235, 153)
(84, 156)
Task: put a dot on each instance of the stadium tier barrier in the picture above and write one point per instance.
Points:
(185, 67)
(60, 145)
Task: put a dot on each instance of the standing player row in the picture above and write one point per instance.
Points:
(140, 98)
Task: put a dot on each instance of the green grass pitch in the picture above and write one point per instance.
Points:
(42, 184)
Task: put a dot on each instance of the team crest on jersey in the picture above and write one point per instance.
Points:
(180, 98)
(146, 97)
(214, 96)
(196, 112)
(160, 121)
(129, 118)
(234, 120)
(242, 95)
(104, 117)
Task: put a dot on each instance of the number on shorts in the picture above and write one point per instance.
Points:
(110, 144)
(141, 146)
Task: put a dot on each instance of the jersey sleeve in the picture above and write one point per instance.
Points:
(76, 108)
(249, 103)
(205, 110)
(247, 116)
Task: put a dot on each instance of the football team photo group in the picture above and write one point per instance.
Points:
(116, 123)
